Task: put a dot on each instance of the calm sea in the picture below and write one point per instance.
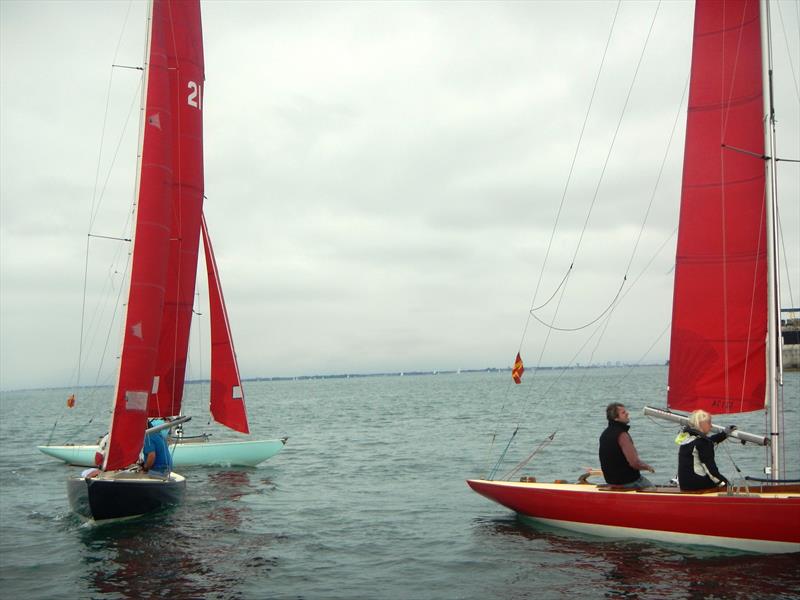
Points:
(368, 499)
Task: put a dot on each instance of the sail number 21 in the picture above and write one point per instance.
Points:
(195, 97)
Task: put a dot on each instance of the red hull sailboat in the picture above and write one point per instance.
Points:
(724, 352)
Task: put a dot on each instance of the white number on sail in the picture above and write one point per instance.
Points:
(195, 95)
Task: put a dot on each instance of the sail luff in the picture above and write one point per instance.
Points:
(187, 76)
(150, 248)
(227, 394)
(717, 353)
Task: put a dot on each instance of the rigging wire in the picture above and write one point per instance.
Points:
(786, 263)
(627, 291)
(594, 199)
(652, 196)
(97, 198)
(76, 376)
(590, 323)
(600, 182)
(572, 360)
(616, 131)
(571, 170)
(544, 443)
(788, 50)
(546, 302)
(560, 209)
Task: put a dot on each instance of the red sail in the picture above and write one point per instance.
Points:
(150, 250)
(719, 319)
(185, 59)
(227, 396)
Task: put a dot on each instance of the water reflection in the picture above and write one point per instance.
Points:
(635, 569)
(146, 558)
(200, 549)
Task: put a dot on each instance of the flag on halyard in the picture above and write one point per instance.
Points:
(518, 370)
(71, 401)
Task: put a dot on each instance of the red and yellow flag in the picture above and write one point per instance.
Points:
(518, 370)
(71, 401)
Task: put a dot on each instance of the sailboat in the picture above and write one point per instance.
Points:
(724, 354)
(226, 403)
(177, 144)
(168, 225)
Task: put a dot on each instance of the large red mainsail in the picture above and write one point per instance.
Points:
(719, 319)
(227, 396)
(187, 76)
(150, 251)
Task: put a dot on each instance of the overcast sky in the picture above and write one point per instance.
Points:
(382, 179)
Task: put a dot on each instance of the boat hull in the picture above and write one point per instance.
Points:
(185, 454)
(758, 522)
(122, 494)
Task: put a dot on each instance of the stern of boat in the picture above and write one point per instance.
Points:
(123, 494)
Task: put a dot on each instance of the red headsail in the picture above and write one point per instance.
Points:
(227, 396)
(150, 251)
(187, 76)
(719, 319)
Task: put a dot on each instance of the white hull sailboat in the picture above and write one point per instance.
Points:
(186, 452)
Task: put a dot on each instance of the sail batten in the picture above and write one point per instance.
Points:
(719, 322)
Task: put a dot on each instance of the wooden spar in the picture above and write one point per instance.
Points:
(668, 415)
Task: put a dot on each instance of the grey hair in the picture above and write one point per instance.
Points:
(698, 417)
(612, 410)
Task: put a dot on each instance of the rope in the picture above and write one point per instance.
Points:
(600, 181)
(554, 293)
(93, 210)
(525, 461)
(493, 472)
(736, 468)
(788, 51)
(616, 132)
(592, 322)
(571, 169)
(785, 262)
(563, 284)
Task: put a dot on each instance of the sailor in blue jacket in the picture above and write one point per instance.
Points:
(697, 469)
(157, 457)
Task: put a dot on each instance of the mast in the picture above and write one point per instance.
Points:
(774, 358)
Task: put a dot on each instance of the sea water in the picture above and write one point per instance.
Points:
(368, 498)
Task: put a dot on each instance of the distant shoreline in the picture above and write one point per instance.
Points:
(614, 365)
(434, 372)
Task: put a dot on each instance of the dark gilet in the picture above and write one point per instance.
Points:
(613, 462)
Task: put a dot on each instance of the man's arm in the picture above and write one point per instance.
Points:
(629, 450)
(149, 460)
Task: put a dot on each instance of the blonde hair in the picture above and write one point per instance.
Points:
(698, 417)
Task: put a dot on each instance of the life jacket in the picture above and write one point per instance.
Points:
(615, 466)
(693, 473)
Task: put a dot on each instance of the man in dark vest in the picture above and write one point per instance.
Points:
(618, 457)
